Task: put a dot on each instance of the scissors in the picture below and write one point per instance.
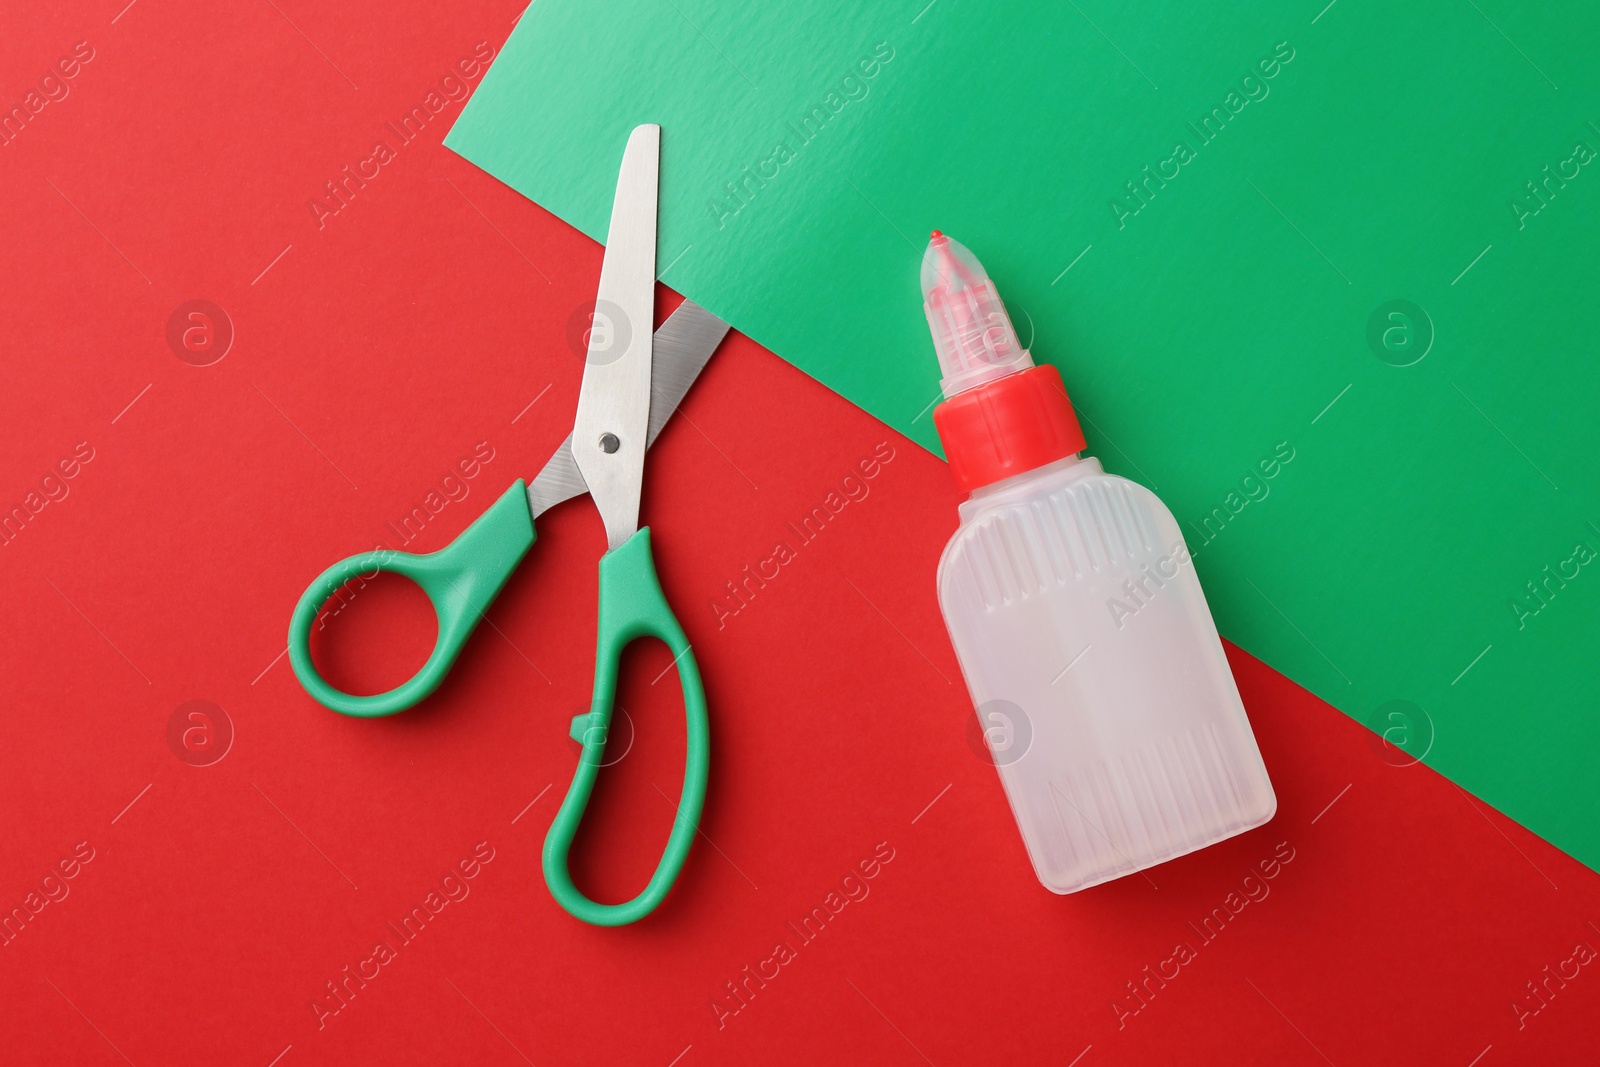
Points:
(632, 382)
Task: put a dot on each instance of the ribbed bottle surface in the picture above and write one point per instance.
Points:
(1090, 653)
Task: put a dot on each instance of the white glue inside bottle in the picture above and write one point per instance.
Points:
(1102, 691)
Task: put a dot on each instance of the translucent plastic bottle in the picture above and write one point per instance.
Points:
(1100, 683)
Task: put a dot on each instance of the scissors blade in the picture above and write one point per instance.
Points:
(683, 345)
(613, 421)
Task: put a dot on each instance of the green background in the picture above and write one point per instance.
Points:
(1200, 333)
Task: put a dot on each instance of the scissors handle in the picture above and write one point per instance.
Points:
(461, 580)
(631, 606)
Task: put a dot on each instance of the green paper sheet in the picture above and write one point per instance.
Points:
(1362, 236)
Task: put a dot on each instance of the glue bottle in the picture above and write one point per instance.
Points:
(1103, 695)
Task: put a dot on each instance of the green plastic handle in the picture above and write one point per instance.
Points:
(461, 580)
(631, 606)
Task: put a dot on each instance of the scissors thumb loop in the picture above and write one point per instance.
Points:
(632, 606)
(461, 580)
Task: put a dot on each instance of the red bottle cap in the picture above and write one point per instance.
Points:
(1008, 426)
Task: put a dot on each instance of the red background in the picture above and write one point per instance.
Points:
(372, 353)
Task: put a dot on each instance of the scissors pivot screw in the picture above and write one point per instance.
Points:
(609, 443)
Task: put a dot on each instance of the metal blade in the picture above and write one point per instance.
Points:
(683, 344)
(613, 422)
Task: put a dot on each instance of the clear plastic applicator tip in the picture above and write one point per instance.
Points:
(972, 333)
